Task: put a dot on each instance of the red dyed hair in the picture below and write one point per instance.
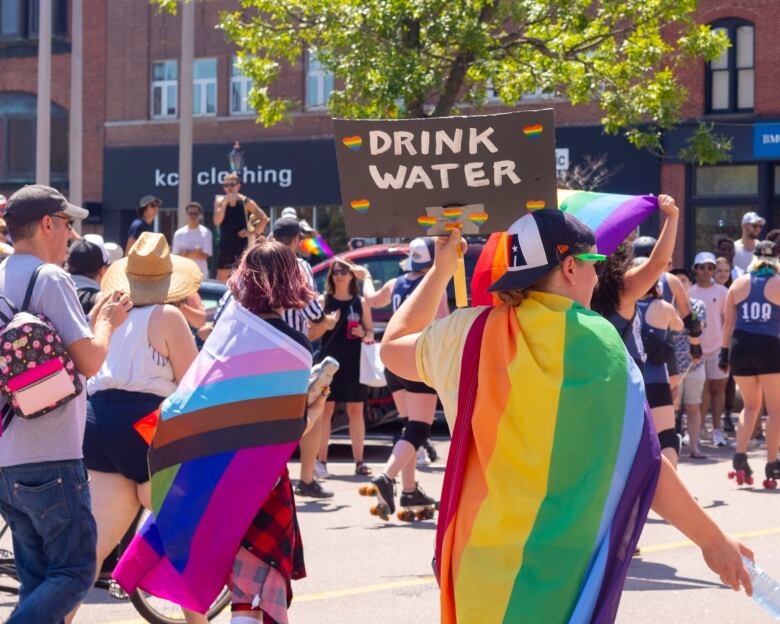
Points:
(268, 278)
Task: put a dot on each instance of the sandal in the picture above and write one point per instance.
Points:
(361, 468)
(698, 455)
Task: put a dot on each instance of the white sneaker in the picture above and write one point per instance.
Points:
(320, 470)
(686, 439)
(422, 457)
(718, 438)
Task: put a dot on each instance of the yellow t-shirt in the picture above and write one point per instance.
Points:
(439, 353)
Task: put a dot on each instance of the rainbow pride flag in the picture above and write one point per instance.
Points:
(316, 247)
(612, 217)
(222, 441)
(551, 471)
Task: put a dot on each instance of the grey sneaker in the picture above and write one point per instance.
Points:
(312, 490)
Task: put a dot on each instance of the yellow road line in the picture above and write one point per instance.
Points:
(686, 543)
(365, 589)
(429, 580)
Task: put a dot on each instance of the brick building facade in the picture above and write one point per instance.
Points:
(130, 143)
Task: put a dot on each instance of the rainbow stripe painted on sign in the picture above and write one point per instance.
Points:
(237, 412)
(534, 204)
(533, 131)
(452, 214)
(532, 378)
(360, 205)
(426, 222)
(478, 218)
(354, 142)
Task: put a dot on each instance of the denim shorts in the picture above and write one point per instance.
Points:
(47, 506)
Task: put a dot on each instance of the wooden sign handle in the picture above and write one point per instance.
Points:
(461, 298)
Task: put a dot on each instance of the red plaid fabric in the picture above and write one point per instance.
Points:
(274, 535)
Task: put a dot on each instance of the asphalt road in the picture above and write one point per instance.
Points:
(361, 569)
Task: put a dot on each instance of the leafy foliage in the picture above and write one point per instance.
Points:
(417, 58)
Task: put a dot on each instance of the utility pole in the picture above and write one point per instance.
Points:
(76, 134)
(43, 123)
(185, 112)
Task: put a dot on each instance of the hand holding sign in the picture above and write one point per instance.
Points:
(474, 175)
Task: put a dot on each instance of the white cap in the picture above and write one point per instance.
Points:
(751, 218)
(111, 251)
(421, 251)
(289, 212)
(705, 257)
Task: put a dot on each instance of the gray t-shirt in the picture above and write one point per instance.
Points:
(59, 434)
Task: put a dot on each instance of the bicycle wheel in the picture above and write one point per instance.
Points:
(160, 611)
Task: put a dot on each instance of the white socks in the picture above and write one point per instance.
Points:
(245, 619)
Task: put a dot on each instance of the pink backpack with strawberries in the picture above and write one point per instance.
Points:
(37, 374)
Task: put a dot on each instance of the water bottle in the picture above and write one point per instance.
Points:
(766, 590)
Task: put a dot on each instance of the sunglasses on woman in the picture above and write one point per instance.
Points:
(341, 271)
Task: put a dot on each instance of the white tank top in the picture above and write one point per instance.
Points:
(132, 363)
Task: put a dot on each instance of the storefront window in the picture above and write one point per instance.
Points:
(164, 86)
(204, 101)
(319, 83)
(711, 222)
(17, 138)
(728, 180)
(240, 85)
(731, 76)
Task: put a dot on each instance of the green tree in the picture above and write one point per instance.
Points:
(418, 58)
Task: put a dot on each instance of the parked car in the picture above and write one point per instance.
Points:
(383, 261)
(211, 292)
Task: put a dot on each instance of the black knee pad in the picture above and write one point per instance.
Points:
(669, 439)
(416, 433)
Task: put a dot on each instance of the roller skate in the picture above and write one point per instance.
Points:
(772, 475)
(742, 471)
(383, 487)
(416, 505)
(431, 450)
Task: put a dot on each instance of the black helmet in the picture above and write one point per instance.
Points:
(643, 246)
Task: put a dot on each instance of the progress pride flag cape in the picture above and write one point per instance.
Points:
(222, 441)
(612, 218)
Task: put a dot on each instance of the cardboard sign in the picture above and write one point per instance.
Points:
(414, 177)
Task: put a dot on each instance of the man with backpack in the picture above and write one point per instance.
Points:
(44, 494)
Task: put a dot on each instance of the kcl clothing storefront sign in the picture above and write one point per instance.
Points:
(289, 172)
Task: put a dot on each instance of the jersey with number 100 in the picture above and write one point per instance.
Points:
(756, 314)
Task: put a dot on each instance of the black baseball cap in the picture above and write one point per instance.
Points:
(86, 258)
(32, 203)
(643, 246)
(286, 227)
(766, 249)
(149, 199)
(538, 242)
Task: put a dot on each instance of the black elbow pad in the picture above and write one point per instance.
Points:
(693, 325)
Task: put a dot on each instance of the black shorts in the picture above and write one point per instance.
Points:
(753, 354)
(111, 444)
(659, 394)
(671, 366)
(230, 254)
(394, 383)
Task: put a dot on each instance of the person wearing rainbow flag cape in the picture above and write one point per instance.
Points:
(554, 462)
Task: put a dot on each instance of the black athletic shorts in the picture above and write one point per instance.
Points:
(394, 382)
(111, 443)
(659, 394)
(671, 366)
(752, 354)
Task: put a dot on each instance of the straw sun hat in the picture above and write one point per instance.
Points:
(151, 274)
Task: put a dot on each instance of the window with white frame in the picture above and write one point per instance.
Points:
(319, 83)
(164, 89)
(731, 76)
(240, 86)
(204, 86)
